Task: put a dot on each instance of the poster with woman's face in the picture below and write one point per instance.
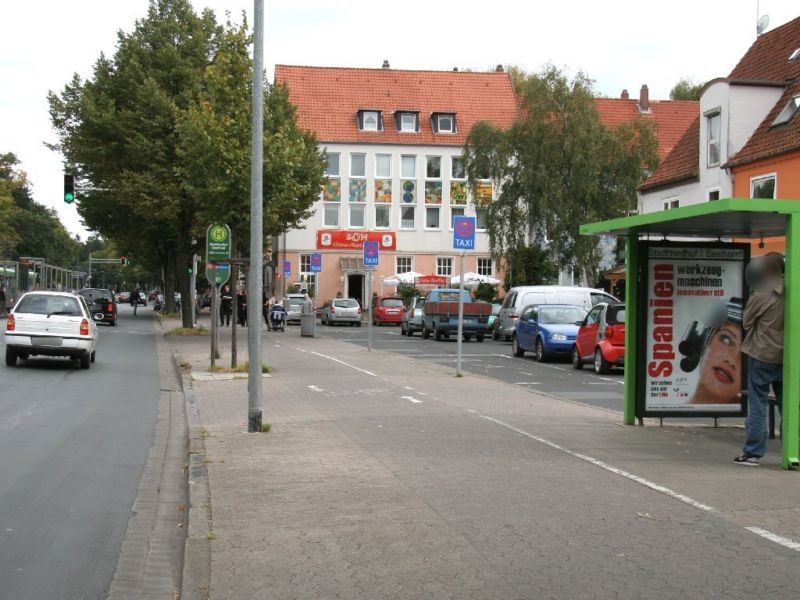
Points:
(693, 303)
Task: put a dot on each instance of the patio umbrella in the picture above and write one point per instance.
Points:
(473, 279)
(407, 277)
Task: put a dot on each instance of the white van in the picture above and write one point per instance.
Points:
(519, 297)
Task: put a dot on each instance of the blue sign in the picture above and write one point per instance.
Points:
(371, 253)
(316, 262)
(464, 233)
(287, 268)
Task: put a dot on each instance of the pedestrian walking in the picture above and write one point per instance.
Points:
(134, 299)
(225, 306)
(241, 307)
(763, 345)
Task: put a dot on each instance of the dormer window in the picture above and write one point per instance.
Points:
(788, 112)
(443, 122)
(407, 121)
(794, 55)
(370, 120)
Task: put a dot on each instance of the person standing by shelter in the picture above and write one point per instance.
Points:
(241, 307)
(763, 345)
(225, 306)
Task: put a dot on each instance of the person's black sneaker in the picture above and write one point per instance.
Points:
(747, 460)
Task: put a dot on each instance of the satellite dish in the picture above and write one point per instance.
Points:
(762, 24)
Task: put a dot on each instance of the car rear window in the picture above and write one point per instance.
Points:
(615, 315)
(294, 302)
(41, 304)
(392, 302)
(560, 316)
(345, 304)
(97, 296)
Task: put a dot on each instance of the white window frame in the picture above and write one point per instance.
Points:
(788, 112)
(384, 207)
(412, 207)
(759, 178)
(330, 208)
(378, 157)
(478, 261)
(362, 206)
(451, 129)
(444, 263)
(402, 171)
(710, 191)
(431, 208)
(671, 202)
(401, 266)
(456, 211)
(414, 117)
(477, 223)
(453, 160)
(364, 174)
(433, 177)
(338, 172)
(716, 112)
(377, 116)
(305, 264)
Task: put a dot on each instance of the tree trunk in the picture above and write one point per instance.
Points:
(169, 279)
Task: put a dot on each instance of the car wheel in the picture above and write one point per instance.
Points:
(495, 335)
(114, 322)
(358, 324)
(540, 356)
(93, 353)
(479, 337)
(437, 335)
(86, 361)
(11, 357)
(601, 365)
(507, 338)
(425, 333)
(515, 348)
(467, 337)
(402, 329)
(409, 332)
(577, 361)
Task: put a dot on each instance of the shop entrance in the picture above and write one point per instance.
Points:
(355, 287)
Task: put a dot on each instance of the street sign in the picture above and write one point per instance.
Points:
(316, 262)
(287, 268)
(464, 233)
(218, 248)
(371, 253)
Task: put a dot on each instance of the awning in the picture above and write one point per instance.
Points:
(351, 263)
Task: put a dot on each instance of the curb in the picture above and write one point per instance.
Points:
(196, 577)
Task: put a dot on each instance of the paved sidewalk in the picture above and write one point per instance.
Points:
(385, 477)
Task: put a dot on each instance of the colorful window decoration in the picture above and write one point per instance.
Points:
(409, 191)
(433, 192)
(483, 192)
(332, 190)
(383, 190)
(358, 190)
(458, 192)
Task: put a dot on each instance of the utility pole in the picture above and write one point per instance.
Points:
(256, 225)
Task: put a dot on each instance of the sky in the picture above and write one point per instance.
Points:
(620, 44)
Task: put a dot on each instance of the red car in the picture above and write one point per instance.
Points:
(601, 338)
(388, 309)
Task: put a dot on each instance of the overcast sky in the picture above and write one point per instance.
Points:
(618, 43)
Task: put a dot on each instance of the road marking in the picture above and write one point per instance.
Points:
(341, 362)
(527, 383)
(411, 399)
(621, 381)
(774, 537)
(610, 468)
(315, 388)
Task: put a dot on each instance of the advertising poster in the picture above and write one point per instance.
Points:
(692, 301)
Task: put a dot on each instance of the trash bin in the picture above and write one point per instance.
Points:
(307, 318)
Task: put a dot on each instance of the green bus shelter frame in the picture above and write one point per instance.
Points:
(730, 218)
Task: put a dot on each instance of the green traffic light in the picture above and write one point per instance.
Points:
(69, 197)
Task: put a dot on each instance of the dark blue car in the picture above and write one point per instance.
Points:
(548, 330)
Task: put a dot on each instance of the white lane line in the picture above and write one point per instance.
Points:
(315, 388)
(527, 383)
(341, 362)
(774, 537)
(620, 381)
(411, 399)
(610, 468)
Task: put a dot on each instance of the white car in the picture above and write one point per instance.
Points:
(51, 324)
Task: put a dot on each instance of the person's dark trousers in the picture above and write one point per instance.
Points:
(760, 376)
(224, 318)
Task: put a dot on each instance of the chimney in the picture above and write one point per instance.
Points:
(385, 64)
(625, 95)
(455, 69)
(499, 69)
(644, 99)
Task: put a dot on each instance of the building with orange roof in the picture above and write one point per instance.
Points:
(746, 141)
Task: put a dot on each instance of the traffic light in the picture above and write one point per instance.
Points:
(123, 260)
(69, 188)
(189, 270)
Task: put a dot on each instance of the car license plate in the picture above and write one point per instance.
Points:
(48, 341)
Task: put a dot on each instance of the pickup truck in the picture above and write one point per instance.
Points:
(440, 315)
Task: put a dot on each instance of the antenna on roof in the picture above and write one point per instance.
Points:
(762, 25)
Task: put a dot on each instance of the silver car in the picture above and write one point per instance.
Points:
(341, 310)
(412, 317)
(294, 308)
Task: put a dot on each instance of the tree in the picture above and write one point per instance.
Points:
(557, 167)
(163, 129)
(529, 265)
(686, 89)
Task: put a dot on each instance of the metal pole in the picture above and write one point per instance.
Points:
(214, 316)
(256, 224)
(460, 339)
(371, 308)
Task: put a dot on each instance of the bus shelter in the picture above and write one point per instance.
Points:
(704, 264)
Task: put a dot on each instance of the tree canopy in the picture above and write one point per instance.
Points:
(556, 168)
(161, 131)
(686, 89)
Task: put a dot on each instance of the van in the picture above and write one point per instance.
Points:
(519, 297)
